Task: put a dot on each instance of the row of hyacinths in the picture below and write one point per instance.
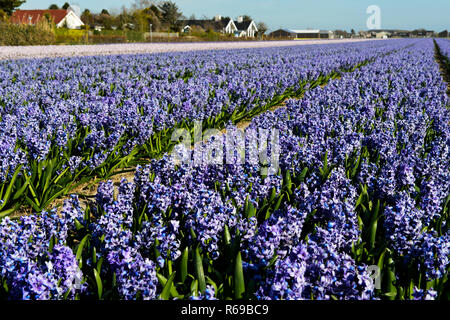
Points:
(65, 121)
(358, 209)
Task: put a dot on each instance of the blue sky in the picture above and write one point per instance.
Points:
(300, 14)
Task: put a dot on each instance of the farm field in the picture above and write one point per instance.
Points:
(305, 172)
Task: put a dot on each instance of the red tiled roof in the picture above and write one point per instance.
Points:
(23, 16)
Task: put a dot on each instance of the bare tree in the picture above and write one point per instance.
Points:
(262, 28)
(141, 4)
(87, 17)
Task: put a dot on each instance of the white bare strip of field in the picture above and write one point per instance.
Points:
(23, 52)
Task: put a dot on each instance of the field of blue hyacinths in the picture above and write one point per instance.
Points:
(337, 186)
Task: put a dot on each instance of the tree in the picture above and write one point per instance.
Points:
(124, 20)
(8, 6)
(53, 7)
(140, 4)
(170, 15)
(246, 18)
(262, 28)
(66, 6)
(48, 18)
(146, 17)
(87, 17)
(105, 20)
(342, 33)
(156, 11)
(104, 11)
(3, 16)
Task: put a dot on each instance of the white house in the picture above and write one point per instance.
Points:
(240, 28)
(245, 28)
(71, 21)
(240, 33)
(60, 17)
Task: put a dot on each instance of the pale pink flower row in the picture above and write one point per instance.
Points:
(22, 52)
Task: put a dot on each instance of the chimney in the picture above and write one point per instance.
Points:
(240, 19)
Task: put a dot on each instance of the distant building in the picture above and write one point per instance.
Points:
(218, 24)
(303, 34)
(313, 34)
(282, 33)
(365, 34)
(60, 17)
(420, 33)
(383, 35)
(443, 34)
(394, 33)
(239, 28)
(389, 33)
(130, 26)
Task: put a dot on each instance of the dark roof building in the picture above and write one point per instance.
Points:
(216, 25)
(282, 33)
(422, 33)
(303, 34)
(245, 28)
(244, 25)
(222, 25)
(392, 32)
(443, 34)
(313, 34)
